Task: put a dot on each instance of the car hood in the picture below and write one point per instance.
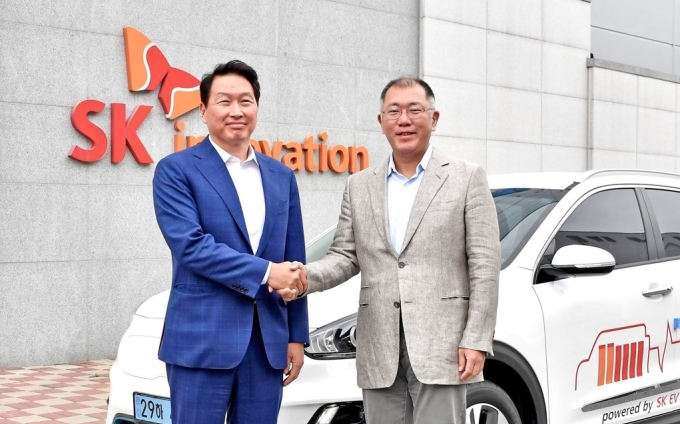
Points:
(155, 306)
(324, 307)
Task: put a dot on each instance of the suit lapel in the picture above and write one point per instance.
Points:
(209, 163)
(379, 204)
(271, 200)
(433, 179)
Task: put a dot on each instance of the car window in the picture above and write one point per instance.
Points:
(520, 211)
(610, 220)
(666, 205)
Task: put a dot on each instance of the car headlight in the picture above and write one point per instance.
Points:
(336, 340)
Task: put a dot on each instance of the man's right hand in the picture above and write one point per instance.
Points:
(288, 278)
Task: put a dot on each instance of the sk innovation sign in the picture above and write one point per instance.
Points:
(178, 93)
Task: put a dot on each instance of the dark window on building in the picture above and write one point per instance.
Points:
(666, 206)
(610, 220)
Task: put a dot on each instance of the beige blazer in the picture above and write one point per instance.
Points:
(444, 283)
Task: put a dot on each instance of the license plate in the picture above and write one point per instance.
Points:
(152, 409)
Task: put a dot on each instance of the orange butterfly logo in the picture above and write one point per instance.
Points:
(147, 67)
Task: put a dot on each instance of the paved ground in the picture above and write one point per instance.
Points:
(71, 394)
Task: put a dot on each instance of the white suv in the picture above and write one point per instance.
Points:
(587, 322)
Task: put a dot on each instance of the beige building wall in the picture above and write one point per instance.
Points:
(633, 118)
(511, 81)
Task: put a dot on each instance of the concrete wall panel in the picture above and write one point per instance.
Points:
(504, 157)
(462, 106)
(250, 27)
(656, 94)
(36, 145)
(514, 115)
(564, 70)
(306, 33)
(614, 126)
(454, 51)
(563, 159)
(513, 62)
(567, 22)
(518, 17)
(616, 87)
(316, 94)
(122, 225)
(385, 41)
(42, 65)
(72, 15)
(600, 158)
(44, 223)
(677, 135)
(644, 124)
(468, 149)
(656, 162)
(399, 7)
(655, 131)
(44, 313)
(460, 11)
(564, 121)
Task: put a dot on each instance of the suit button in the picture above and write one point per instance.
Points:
(397, 304)
(401, 264)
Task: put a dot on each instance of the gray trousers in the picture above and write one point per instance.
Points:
(408, 401)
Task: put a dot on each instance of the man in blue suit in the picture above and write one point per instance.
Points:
(231, 218)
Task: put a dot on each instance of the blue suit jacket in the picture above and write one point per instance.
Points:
(216, 277)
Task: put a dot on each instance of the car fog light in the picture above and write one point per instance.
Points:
(336, 340)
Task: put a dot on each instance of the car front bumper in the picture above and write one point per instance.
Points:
(324, 389)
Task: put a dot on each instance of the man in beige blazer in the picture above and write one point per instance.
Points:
(422, 229)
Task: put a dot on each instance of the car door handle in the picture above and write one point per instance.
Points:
(656, 291)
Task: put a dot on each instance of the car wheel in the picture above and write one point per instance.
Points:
(489, 404)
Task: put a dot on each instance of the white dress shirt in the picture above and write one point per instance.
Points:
(248, 182)
(401, 193)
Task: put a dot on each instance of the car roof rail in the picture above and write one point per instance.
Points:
(595, 173)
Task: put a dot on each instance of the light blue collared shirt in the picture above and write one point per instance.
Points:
(401, 193)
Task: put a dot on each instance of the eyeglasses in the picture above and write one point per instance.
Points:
(413, 112)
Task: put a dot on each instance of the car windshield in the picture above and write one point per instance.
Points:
(319, 245)
(520, 211)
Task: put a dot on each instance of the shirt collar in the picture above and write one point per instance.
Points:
(419, 169)
(226, 156)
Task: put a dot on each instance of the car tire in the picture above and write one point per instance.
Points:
(489, 404)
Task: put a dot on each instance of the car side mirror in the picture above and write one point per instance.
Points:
(577, 259)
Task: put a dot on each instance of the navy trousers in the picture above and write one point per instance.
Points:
(250, 393)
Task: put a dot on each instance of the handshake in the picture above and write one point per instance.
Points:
(289, 279)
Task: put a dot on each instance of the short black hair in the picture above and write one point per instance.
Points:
(232, 67)
(404, 82)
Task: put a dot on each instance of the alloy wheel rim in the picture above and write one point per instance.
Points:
(483, 413)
